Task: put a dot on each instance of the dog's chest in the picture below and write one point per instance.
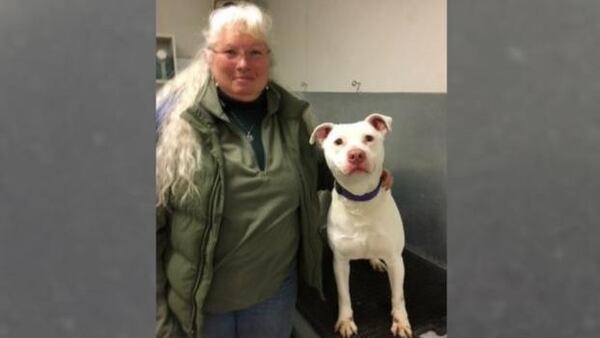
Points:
(358, 233)
(357, 244)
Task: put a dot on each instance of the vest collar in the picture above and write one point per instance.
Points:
(209, 98)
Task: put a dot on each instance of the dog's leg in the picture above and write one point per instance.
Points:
(400, 323)
(377, 264)
(345, 324)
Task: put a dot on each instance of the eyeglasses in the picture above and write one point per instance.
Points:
(252, 54)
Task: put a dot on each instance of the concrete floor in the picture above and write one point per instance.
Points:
(302, 329)
(432, 334)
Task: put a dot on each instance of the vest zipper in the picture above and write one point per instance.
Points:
(203, 241)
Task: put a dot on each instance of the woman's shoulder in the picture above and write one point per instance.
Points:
(291, 104)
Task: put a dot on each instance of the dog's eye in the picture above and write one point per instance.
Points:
(369, 138)
(338, 142)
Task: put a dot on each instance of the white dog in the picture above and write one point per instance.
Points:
(363, 220)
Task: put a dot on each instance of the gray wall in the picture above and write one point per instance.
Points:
(415, 154)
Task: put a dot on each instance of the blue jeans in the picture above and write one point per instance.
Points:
(271, 318)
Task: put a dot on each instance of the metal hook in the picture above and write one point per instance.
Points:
(304, 85)
(356, 84)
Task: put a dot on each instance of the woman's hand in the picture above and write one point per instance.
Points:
(386, 179)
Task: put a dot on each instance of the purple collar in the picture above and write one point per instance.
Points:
(358, 198)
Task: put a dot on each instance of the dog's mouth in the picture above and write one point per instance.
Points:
(356, 169)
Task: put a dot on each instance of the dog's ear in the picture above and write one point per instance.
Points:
(381, 122)
(320, 133)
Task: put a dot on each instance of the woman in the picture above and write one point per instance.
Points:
(237, 181)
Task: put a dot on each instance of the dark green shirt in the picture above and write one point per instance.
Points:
(248, 116)
(259, 234)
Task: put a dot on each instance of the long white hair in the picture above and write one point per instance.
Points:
(178, 149)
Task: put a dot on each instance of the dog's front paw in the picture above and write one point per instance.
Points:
(378, 265)
(346, 327)
(400, 326)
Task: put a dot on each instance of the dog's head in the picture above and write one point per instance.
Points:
(354, 151)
